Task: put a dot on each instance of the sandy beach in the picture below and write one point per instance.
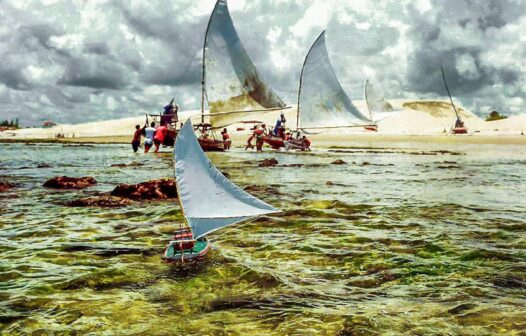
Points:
(413, 121)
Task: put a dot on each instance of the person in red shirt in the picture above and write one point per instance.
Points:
(258, 134)
(226, 139)
(306, 143)
(136, 141)
(160, 134)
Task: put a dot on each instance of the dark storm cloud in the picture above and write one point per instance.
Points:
(97, 72)
(459, 34)
(80, 61)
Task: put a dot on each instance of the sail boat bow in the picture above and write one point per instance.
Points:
(209, 200)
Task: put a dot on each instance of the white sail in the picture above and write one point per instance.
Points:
(378, 107)
(322, 102)
(208, 199)
(231, 81)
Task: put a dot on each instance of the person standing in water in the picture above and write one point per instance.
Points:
(149, 134)
(136, 141)
(160, 134)
(226, 139)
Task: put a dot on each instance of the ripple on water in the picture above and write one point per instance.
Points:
(397, 245)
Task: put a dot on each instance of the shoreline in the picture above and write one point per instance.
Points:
(322, 141)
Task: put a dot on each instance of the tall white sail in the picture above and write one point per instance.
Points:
(231, 81)
(322, 102)
(378, 107)
(208, 199)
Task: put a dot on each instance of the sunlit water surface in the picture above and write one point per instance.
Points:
(396, 241)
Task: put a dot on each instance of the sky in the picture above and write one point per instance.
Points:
(75, 61)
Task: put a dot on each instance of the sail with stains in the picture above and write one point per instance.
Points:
(322, 102)
(231, 82)
(208, 199)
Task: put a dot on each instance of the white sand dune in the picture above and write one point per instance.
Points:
(412, 118)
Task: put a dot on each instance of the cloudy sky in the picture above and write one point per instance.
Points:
(83, 60)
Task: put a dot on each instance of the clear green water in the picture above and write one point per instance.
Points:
(406, 245)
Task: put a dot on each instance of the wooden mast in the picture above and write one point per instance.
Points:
(449, 93)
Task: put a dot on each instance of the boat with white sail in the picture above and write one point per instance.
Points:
(208, 200)
(231, 86)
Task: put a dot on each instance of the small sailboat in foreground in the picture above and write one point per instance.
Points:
(459, 127)
(209, 201)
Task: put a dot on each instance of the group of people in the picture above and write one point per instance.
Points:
(284, 139)
(152, 136)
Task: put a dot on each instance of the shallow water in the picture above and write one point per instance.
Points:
(402, 240)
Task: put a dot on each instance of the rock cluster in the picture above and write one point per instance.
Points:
(65, 182)
(268, 162)
(154, 189)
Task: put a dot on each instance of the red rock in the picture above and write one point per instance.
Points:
(154, 189)
(268, 163)
(338, 162)
(4, 186)
(65, 182)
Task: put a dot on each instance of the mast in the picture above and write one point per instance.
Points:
(301, 80)
(203, 72)
(448, 93)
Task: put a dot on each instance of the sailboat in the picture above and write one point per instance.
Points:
(459, 127)
(322, 102)
(231, 84)
(209, 201)
(377, 105)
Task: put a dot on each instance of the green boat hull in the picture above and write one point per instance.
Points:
(197, 252)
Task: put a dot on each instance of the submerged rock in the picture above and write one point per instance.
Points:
(338, 162)
(154, 189)
(268, 162)
(4, 186)
(65, 182)
(100, 201)
(131, 164)
(255, 189)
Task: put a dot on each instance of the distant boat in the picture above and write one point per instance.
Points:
(231, 84)
(459, 127)
(379, 108)
(322, 102)
(209, 201)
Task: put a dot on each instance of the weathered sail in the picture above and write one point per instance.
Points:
(322, 100)
(232, 82)
(376, 103)
(208, 199)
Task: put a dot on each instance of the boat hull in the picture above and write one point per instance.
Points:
(195, 253)
(459, 130)
(212, 145)
(371, 128)
(292, 145)
(274, 142)
(208, 145)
